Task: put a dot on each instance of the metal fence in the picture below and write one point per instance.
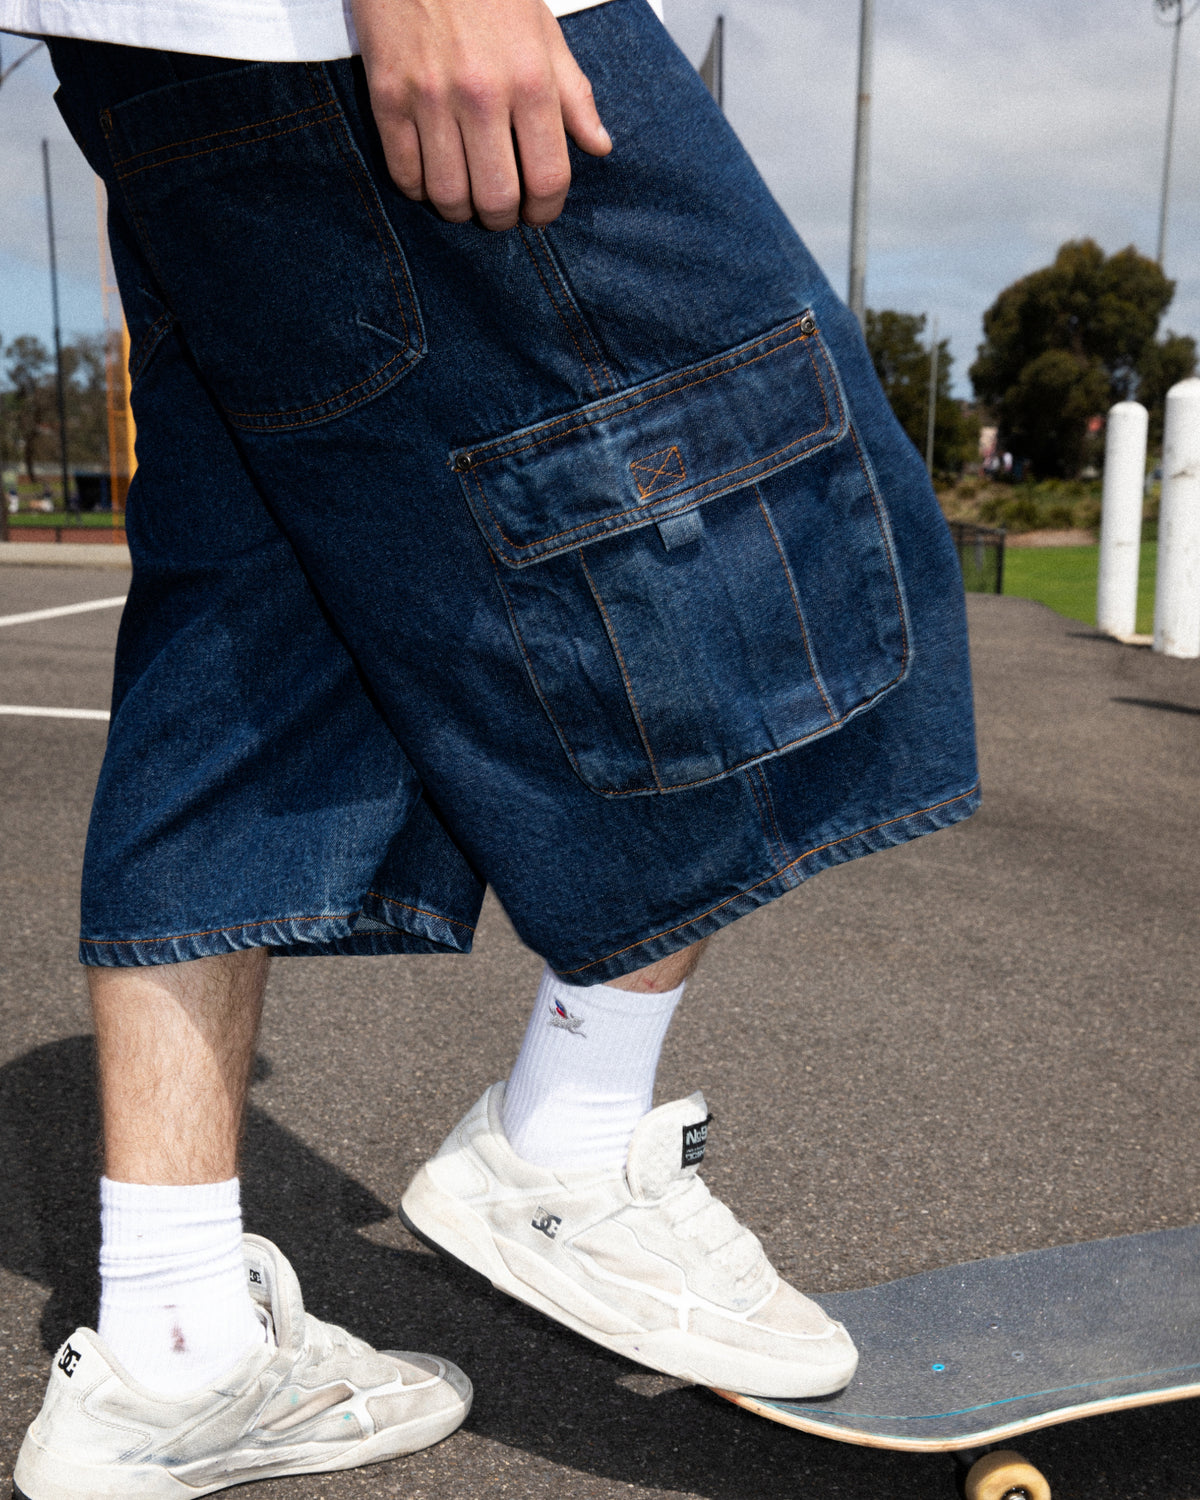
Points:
(980, 555)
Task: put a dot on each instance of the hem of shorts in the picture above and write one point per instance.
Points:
(403, 929)
(885, 834)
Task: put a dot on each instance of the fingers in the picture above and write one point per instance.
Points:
(474, 100)
(579, 114)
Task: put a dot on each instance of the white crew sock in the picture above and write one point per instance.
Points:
(175, 1305)
(585, 1074)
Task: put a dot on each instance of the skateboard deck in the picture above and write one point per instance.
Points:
(967, 1356)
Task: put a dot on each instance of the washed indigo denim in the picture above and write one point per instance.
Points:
(587, 562)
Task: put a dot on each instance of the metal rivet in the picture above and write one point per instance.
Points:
(463, 462)
(808, 324)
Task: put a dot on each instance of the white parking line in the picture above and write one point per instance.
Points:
(63, 609)
(54, 713)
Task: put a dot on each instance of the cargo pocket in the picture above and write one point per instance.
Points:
(269, 241)
(698, 570)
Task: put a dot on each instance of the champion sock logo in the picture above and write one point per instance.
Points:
(561, 1016)
(695, 1138)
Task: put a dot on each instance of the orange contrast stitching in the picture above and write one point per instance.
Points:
(420, 911)
(212, 150)
(770, 801)
(787, 573)
(343, 916)
(646, 466)
(600, 406)
(916, 813)
(212, 134)
(612, 636)
(384, 247)
(762, 821)
(562, 316)
(559, 276)
(713, 479)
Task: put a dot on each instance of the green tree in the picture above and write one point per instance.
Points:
(901, 361)
(1064, 343)
(30, 398)
(29, 404)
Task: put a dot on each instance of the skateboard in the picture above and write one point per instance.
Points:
(966, 1357)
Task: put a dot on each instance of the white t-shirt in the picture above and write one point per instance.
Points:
(256, 30)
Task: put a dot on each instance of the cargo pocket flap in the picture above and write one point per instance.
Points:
(657, 450)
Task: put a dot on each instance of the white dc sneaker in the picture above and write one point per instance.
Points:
(311, 1399)
(646, 1261)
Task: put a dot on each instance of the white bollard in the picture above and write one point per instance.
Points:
(1121, 518)
(1177, 596)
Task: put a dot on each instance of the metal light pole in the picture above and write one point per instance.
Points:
(931, 422)
(1178, 11)
(862, 152)
(58, 362)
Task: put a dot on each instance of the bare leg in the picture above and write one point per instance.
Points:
(175, 1043)
(666, 974)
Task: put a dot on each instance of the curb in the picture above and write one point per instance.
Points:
(64, 555)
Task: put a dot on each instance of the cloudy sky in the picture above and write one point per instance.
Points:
(999, 130)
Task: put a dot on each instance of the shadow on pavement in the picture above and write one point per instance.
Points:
(1160, 703)
(540, 1390)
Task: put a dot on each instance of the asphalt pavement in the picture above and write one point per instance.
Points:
(986, 1041)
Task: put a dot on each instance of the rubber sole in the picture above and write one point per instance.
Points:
(665, 1351)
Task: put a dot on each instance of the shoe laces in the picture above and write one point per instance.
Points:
(322, 1340)
(696, 1216)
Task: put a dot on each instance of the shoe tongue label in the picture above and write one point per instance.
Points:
(695, 1138)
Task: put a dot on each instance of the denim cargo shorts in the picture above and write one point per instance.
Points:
(587, 563)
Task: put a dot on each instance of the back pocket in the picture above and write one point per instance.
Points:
(269, 241)
(698, 570)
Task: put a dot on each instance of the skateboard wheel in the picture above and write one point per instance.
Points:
(1005, 1475)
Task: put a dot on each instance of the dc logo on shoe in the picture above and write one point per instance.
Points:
(561, 1016)
(70, 1358)
(256, 1278)
(546, 1223)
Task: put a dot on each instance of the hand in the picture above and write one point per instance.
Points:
(474, 100)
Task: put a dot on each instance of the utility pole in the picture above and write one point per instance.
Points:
(933, 381)
(1181, 10)
(712, 69)
(862, 152)
(58, 361)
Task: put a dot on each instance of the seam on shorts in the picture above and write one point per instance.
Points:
(602, 414)
(420, 911)
(380, 235)
(887, 546)
(562, 315)
(149, 342)
(212, 150)
(712, 479)
(791, 583)
(616, 646)
(213, 134)
(178, 937)
(572, 302)
(817, 849)
(774, 851)
(533, 678)
(770, 802)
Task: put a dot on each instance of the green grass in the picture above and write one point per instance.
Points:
(1065, 579)
(93, 518)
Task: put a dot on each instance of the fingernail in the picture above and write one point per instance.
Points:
(605, 137)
